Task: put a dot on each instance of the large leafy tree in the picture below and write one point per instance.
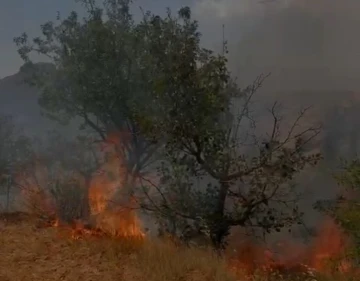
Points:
(153, 80)
(97, 75)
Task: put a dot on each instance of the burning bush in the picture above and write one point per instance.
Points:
(49, 192)
(70, 201)
(345, 208)
(60, 195)
(63, 200)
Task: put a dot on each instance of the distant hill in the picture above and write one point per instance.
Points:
(337, 110)
(20, 100)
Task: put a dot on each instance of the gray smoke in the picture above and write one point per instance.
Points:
(312, 49)
(307, 45)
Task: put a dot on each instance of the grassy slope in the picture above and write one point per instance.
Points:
(30, 253)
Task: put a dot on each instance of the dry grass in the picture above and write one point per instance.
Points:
(30, 253)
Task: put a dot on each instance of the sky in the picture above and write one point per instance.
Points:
(306, 44)
(310, 44)
(17, 16)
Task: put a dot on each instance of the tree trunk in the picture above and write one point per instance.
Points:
(85, 204)
(219, 228)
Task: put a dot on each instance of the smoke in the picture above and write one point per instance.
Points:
(311, 47)
(307, 45)
(312, 50)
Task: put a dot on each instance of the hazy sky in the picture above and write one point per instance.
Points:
(305, 43)
(310, 46)
(17, 16)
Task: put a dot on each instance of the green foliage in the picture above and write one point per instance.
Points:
(204, 138)
(345, 208)
(153, 79)
(97, 73)
(189, 83)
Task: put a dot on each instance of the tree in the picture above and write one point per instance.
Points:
(15, 149)
(193, 109)
(345, 208)
(80, 158)
(154, 80)
(97, 75)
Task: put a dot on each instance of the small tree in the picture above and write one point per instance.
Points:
(208, 141)
(79, 159)
(345, 208)
(57, 179)
(15, 149)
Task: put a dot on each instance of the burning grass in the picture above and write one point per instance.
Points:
(108, 242)
(30, 252)
(113, 246)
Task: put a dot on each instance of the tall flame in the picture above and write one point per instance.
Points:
(105, 186)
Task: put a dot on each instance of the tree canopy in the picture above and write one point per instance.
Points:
(345, 208)
(98, 74)
(173, 99)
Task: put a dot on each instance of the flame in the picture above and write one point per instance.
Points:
(330, 245)
(115, 215)
(109, 218)
(107, 215)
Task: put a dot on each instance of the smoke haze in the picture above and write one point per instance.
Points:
(306, 45)
(311, 47)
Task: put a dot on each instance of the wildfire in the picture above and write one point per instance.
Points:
(108, 218)
(293, 259)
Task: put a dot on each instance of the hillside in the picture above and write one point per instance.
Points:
(32, 251)
(21, 101)
(32, 254)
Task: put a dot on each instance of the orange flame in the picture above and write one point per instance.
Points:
(292, 258)
(107, 215)
(110, 218)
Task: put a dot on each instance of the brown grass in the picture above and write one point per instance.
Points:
(30, 253)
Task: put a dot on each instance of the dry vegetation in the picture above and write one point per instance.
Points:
(33, 253)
